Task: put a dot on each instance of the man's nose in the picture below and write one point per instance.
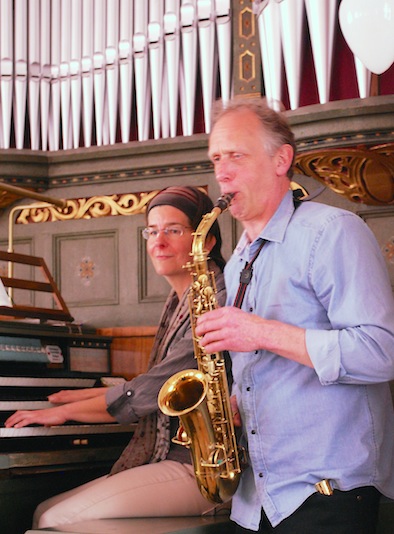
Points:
(222, 171)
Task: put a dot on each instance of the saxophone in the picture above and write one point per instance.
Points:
(200, 397)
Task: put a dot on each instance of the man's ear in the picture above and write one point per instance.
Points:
(284, 159)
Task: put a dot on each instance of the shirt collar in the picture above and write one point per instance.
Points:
(275, 229)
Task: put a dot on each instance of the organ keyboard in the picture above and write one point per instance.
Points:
(37, 360)
(36, 462)
(64, 430)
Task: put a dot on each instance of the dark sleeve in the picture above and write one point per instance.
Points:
(138, 397)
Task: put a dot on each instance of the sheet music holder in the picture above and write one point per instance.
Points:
(16, 310)
(4, 298)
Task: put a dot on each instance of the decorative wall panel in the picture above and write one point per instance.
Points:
(87, 268)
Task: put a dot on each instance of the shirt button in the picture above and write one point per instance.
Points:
(128, 393)
(250, 309)
(248, 388)
(261, 475)
(253, 432)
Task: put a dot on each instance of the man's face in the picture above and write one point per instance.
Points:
(241, 163)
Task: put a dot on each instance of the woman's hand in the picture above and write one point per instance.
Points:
(74, 395)
(92, 410)
(236, 415)
(48, 417)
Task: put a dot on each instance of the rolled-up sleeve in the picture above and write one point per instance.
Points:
(356, 346)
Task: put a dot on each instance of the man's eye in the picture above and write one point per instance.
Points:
(153, 233)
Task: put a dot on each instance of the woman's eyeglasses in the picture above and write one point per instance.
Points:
(173, 230)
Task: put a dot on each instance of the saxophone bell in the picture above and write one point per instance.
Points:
(215, 464)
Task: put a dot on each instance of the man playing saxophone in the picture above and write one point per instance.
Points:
(311, 342)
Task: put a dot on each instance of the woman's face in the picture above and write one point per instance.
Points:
(170, 252)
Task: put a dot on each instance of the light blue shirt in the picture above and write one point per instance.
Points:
(322, 270)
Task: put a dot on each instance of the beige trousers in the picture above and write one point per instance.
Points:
(162, 489)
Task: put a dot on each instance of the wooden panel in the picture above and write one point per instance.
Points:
(130, 349)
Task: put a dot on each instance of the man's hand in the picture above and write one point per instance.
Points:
(232, 329)
(229, 328)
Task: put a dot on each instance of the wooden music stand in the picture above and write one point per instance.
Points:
(61, 313)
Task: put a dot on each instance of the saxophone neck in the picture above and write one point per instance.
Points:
(200, 235)
(199, 253)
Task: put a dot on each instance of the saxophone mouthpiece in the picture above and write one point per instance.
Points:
(224, 201)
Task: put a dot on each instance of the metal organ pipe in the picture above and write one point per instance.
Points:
(130, 65)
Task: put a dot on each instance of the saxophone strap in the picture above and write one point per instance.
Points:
(245, 277)
(247, 272)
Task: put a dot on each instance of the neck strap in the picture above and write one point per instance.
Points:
(247, 272)
(245, 277)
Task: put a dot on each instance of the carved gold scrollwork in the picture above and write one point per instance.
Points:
(88, 208)
(363, 175)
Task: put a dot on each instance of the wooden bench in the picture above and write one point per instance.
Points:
(185, 525)
(151, 525)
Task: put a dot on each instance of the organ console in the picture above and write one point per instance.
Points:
(40, 355)
(35, 361)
